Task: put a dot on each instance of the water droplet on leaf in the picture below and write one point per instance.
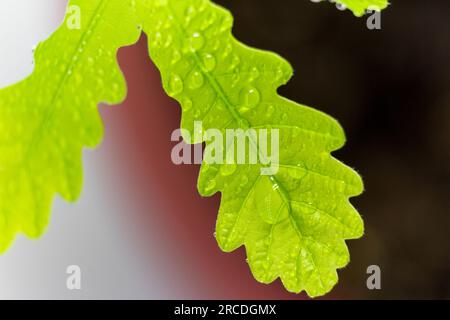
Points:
(209, 62)
(228, 169)
(249, 98)
(187, 104)
(175, 85)
(195, 80)
(196, 41)
(210, 185)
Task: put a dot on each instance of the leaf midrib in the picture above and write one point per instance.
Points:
(93, 23)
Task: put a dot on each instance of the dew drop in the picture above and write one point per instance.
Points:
(244, 181)
(210, 185)
(176, 56)
(249, 98)
(195, 80)
(227, 23)
(235, 79)
(227, 50)
(215, 44)
(209, 62)
(254, 74)
(271, 205)
(175, 85)
(187, 104)
(235, 61)
(228, 169)
(158, 39)
(243, 123)
(168, 41)
(190, 13)
(279, 74)
(196, 41)
(220, 105)
(209, 20)
(341, 186)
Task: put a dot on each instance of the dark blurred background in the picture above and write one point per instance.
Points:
(390, 89)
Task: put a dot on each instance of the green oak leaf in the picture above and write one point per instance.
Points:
(359, 7)
(293, 223)
(46, 119)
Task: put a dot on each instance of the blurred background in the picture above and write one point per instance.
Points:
(140, 229)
